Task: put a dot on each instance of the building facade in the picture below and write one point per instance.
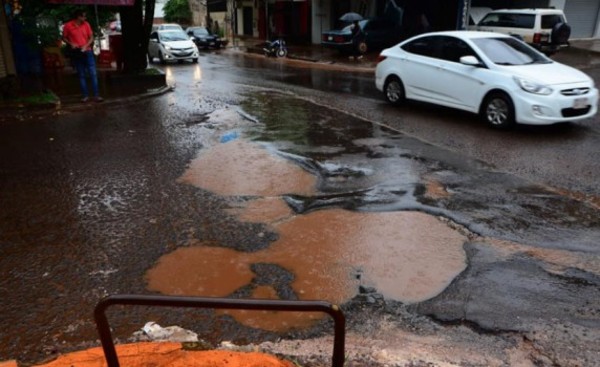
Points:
(303, 21)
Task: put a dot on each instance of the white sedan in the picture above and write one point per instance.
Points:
(495, 75)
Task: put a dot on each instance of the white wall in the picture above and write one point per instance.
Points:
(597, 32)
(320, 19)
(558, 4)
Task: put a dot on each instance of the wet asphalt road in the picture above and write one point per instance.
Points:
(563, 156)
(90, 201)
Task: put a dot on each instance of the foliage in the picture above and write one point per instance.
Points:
(43, 98)
(178, 11)
(40, 20)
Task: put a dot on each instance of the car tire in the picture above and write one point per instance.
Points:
(498, 111)
(393, 90)
(195, 60)
(150, 58)
(362, 48)
(161, 58)
(560, 34)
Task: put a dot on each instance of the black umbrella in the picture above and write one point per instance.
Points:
(351, 17)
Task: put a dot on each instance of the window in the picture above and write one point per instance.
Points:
(509, 20)
(452, 49)
(200, 32)
(176, 35)
(424, 46)
(549, 21)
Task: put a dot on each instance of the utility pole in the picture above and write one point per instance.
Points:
(208, 20)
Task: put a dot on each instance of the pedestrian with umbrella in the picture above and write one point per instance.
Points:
(359, 46)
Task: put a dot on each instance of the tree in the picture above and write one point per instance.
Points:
(136, 32)
(34, 15)
(40, 20)
(178, 11)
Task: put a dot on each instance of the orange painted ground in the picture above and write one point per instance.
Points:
(167, 354)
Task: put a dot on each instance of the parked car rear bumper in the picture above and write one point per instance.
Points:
(548, 48)
(346, 46)
(208, 44)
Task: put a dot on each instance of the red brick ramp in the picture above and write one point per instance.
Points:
(166, 354)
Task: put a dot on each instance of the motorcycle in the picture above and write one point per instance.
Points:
(276, 48)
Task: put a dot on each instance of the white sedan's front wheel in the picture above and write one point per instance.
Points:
(498, 111)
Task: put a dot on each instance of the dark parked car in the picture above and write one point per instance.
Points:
(203, 38)
(379, 34)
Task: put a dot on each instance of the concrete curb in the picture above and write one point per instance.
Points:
(22, 110)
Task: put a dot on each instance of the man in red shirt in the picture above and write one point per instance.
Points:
(78, 35)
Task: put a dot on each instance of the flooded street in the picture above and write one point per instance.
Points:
(244, 186)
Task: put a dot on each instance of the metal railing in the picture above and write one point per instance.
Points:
(223, 303)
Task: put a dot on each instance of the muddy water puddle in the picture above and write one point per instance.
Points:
(245, 169)
(323, 251)
(406, 256)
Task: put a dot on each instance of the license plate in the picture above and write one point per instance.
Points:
(330, 38)
(580, 103)
(212, 43)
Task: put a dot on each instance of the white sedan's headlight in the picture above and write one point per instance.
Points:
(533, 87)
(167, 47)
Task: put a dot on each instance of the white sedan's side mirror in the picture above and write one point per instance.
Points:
(470, 60)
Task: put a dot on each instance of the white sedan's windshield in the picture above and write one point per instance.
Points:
(509, 51)
(173, 36)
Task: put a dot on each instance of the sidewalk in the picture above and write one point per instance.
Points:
(312, 54)
(581, 54)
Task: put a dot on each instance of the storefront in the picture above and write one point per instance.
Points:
(289, 19)
(7, 64)
(434, 15)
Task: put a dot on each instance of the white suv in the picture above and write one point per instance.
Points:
(545, 29)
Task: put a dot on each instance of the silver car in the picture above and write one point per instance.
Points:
(171, 45)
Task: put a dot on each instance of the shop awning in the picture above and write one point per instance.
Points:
(95, 2)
